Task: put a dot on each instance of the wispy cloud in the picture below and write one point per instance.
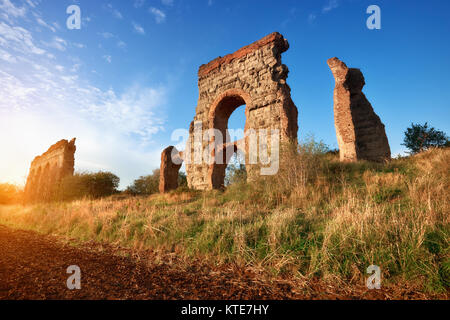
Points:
(31, 3)
(41, 22)
(329, 6)
(58, 43)
(167, 2)
(116, 13)
(78, 45)
(332, 4)
(106, 35)
(311, 17)
(6, 56)
(137, 28)
(107, 58)
(47, 99)
(18, 39)
(9, 11)
(159, 15)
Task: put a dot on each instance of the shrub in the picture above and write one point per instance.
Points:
(145, 185)
(87, 185)
(236, 171)
(10, 194)
(419, 138)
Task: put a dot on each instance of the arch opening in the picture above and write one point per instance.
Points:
(231, 148)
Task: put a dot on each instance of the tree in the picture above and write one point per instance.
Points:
(103, 184)
(419, 138)
(145, 185)
(182, 179)
(88, 185)
(236, 171)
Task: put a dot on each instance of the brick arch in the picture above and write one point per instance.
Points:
(255, 76)
(224, 105)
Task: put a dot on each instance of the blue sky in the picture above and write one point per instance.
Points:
(128, 78)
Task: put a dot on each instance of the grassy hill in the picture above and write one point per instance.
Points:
(317, 219)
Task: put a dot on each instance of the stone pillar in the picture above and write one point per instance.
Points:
(360, 133)
(171, 161)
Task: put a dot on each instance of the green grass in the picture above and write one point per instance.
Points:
(318, 218)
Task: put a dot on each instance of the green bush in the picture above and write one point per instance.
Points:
(419, 138)
(87, 185)
(145, 185)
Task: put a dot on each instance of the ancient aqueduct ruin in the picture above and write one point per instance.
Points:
(48, 169)
(253, 76)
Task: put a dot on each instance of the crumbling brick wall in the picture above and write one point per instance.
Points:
(48, 169)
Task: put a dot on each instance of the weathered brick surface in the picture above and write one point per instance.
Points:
(168, 173)
(254, 76)
(360, 133)
(48, 169)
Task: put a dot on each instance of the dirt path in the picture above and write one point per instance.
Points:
(33, 266)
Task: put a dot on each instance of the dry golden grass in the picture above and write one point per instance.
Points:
(317, 218)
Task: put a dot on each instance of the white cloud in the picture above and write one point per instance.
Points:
(44, 99)
(107, 58)
(9, 11)
(56, 25)
(138, 28)
(159, 15)
(57, 43)
(18, 39)
(31, 3)
(78, 45)
(332, 4)
(6, 56)
(41, 22)
(114, 130)
(106, 35)
(116, 13)
(167, 2)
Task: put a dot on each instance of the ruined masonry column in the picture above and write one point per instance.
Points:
(360, 133)
(168, 174)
